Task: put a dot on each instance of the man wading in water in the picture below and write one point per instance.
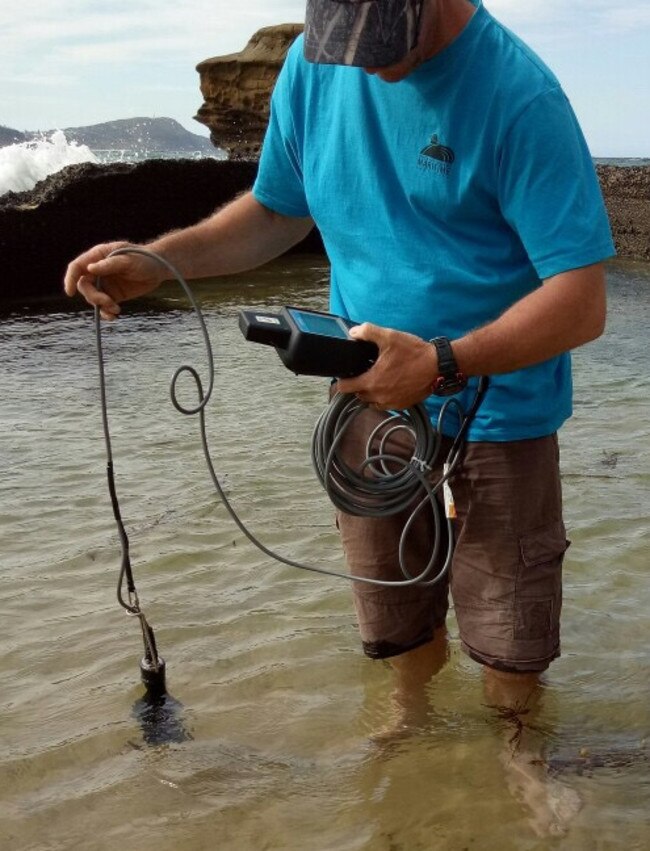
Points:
(457, 200)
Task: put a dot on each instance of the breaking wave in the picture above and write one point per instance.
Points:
(24, 164)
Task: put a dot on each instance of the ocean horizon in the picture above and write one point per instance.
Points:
(622, 161)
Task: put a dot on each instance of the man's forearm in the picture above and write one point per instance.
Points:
(242, 235)
(567, 311)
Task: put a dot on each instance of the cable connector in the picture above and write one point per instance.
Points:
(420, 465)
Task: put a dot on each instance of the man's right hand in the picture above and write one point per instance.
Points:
(123, 277)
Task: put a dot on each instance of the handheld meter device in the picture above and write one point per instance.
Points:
(310, 342)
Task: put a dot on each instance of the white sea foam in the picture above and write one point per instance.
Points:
(23, 165)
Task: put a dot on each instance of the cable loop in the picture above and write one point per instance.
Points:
(203, 399)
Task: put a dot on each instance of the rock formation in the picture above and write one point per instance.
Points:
(42, 230)
(237, 90)
(81, 205)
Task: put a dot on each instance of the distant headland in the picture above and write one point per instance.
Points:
(149, 135)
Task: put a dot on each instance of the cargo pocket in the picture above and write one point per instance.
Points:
(538, 590)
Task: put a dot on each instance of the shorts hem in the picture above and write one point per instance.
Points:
(527, 666)
(388, 649)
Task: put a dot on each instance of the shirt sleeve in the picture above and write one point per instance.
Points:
(279, 182)
(549, 191)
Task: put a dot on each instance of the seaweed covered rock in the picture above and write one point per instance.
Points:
(627, 196)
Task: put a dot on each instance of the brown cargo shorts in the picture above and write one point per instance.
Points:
(506, 572)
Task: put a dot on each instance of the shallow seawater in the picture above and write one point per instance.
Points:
(280, 710)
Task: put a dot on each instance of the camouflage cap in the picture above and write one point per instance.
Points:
(367, 33)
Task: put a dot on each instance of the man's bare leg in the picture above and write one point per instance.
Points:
(516, 699)
(412, 671)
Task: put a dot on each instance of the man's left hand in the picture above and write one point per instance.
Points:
(402, 374)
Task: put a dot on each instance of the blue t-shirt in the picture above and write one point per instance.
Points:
(442, 199)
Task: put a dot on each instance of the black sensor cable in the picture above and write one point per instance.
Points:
(386, 484)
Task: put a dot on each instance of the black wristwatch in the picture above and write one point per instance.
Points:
(450, 379)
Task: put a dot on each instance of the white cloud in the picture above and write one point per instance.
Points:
(63, 60)
(77, 31)
(630, 19)
(36, 80)
(572, 18)
(131, 49)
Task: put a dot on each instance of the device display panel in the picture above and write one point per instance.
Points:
(319, 323)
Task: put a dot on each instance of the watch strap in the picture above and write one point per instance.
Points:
(450, 379)
(446, 361)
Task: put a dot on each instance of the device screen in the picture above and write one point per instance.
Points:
(319, 323)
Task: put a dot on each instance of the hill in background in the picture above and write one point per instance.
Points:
(145, 134)
(10, 137)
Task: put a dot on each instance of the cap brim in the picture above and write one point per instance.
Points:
(365, 33)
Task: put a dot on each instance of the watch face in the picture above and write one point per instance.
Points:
(450, 384)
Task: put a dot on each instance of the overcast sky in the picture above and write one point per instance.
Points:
(67, 63)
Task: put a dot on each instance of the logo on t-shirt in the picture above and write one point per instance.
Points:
(436, 157)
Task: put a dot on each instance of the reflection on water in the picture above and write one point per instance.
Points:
(275, 742)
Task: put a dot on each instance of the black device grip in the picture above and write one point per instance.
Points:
(260, 326)
(328, 357)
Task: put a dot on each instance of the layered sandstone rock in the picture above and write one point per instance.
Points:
(237, 90)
